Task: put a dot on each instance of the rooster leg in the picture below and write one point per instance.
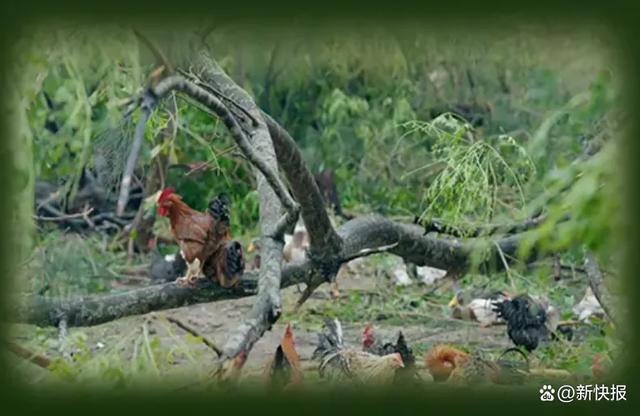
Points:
(194, 272)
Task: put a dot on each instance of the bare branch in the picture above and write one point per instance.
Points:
(596, 282)
(206, 341)
(146, 107)
(64, 217)
(179, 83)
(25, 353)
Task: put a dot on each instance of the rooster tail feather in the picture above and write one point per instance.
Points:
(330, 339)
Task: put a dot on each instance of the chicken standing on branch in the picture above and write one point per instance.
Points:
(339, 363)
(204, 239)
(284, 371)
(374, 346)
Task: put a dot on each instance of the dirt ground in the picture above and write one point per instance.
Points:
(215, 321)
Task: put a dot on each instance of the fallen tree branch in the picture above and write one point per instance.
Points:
(596, 282)
(467, 231)
(360, 235)
(27, 354)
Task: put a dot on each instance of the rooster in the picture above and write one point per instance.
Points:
(284, 371)
(371, 345)
(340, 363)
(526, 320)
(204, 239)
(228, 373)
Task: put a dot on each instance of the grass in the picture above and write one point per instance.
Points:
(147, 350)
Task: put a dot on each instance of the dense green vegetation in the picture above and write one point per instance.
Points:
(474, 128)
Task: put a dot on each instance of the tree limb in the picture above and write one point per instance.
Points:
(360, 235)
(27, 354)
(596, 282)
(146, 106)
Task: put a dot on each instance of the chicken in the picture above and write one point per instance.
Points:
(228, 374)
(526, 320)
(296, 247)
(510, 371)
(600, 366)
(371, 345)
(339, 363)
(480, 309)
(227, 264)
(446, 363)
(204, 239)
(254, 246)
(588, 306)
(441, 360)
(475, 369)
(165, 268)
(284, 371)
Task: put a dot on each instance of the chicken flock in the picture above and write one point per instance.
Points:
(207, 250)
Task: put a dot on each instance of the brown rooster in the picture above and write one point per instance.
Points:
(339, 363)
(204, 239)
(284, 371)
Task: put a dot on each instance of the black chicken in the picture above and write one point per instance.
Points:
(526, 320)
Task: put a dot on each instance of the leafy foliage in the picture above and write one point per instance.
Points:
(472, 128)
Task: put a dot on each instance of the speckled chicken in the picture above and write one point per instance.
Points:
(340, 363)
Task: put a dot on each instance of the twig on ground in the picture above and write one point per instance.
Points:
(61, 216)
(35, 358)
(195, 333)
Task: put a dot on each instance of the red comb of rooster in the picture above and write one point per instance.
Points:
(165, 193)
(368, 329)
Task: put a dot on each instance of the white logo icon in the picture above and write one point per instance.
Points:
(546, 393)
